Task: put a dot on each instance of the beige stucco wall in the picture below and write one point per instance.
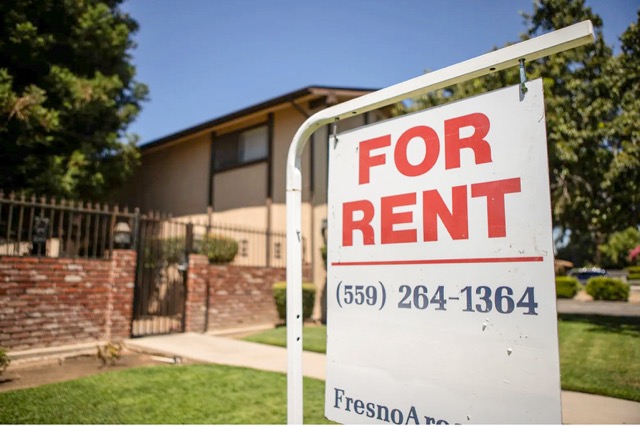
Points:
(241, 187)
(172, 180)
(287, 122)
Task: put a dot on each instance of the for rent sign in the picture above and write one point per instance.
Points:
(441, 291)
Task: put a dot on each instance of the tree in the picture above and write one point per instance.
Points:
(615, 252)
(591, 115)
(624, 129)
(67, 95)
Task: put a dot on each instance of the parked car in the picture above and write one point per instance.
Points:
(583, 274)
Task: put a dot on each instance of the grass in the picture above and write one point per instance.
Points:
(314, 338)
(211, 394)
(598, 354)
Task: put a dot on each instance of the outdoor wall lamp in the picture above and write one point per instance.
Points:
(122, 235)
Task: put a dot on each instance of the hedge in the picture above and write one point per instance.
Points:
(567, 287)
(218, 249)
(603, 288)
(157, 250)
(323, 252)
(634, 272)
(308, 299)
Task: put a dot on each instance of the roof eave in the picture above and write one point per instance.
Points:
(266, 105)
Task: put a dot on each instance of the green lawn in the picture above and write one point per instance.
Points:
(211, 394)
(598, 354)
(314, 338)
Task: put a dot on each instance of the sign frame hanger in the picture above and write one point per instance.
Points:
(548, 44)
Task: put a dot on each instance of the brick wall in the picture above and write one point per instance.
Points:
(51, 302)
(196, 301)
(238, 296)
(48, 302)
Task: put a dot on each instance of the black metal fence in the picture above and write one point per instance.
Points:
(37, 226)
(46, 227)
(255, 247)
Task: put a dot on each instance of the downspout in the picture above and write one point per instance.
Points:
(270, 125)
(210, 186)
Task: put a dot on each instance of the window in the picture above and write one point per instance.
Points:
(235, 149)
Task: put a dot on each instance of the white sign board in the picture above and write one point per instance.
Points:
(441, 295)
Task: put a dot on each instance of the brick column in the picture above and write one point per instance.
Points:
(123, 277)
(196, 303)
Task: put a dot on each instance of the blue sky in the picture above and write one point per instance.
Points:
(206, 58)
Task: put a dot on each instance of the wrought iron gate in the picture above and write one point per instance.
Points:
(161, 276)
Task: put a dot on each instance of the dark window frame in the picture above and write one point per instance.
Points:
(234, 137)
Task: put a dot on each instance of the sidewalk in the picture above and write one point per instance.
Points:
(598, 307)
(577, 408)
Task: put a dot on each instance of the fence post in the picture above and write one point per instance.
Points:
(188, 243)
(136, 229)
(114, 214)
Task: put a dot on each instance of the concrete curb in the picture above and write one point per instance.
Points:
(53, 353)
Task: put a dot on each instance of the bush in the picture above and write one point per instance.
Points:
(218, 249)
(323, 251)
(308, 298)
(634, 272)
(566, 287)
(619, 244)
(4, 360)
(159, 250)
(173, 249)
(603, 288)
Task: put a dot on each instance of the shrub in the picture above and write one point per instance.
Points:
(218, 249)
(619, 244)
(323, 251)
(634, 272)
(173, 249)
(4, 360)
(158, 250)
(603, 288)
(566, 287)
(308, 298)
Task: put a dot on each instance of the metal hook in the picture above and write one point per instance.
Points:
(523, 77)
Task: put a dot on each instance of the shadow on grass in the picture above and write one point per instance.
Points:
(629, 326)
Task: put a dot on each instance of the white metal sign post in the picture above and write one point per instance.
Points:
(432, 257)
(441, 297)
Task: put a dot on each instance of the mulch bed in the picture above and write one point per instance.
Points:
(27, 375)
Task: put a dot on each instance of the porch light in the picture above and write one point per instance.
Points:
(122, 235)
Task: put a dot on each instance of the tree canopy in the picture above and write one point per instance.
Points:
(592, 116)
(67, 94)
